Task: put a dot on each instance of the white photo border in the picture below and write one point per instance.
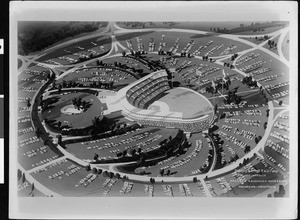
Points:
(153, 208)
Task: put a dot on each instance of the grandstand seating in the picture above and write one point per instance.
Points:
(144, 93)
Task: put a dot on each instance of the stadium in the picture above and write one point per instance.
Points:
(150, 101)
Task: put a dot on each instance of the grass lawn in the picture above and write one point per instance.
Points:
(81, 120)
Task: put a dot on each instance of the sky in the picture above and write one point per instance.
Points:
(160, 11)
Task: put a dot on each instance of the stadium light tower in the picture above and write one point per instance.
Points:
(172, 71)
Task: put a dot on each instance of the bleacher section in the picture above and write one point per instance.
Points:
(145, 93)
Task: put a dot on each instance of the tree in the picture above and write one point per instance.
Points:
(64, 84)
(32, 187)
(265, 125)
(133, 152)
(281, 191)
(23, 178)
(95, 170)
(38, 132)
(28, 102)
(152, 180)
(105, 173)
(215, 108)
(124, 53)
(88, 167)
(162, 172)
(19, 174)
(59, 88)
(111, 175)
(269, 43)
(96, 156)
(236, 157)
(59, 139)
(247, 149)
(111, 84)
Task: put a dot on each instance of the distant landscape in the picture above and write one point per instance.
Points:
(37, 35)
(228, 27)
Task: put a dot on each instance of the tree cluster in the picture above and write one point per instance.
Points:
(219, 85)
(233, 97)
(234, 56)
(219, 30)
(229, 65)
(36, 38)
(248, 80)
(272, 44)
(257, 139)
(79, 104)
